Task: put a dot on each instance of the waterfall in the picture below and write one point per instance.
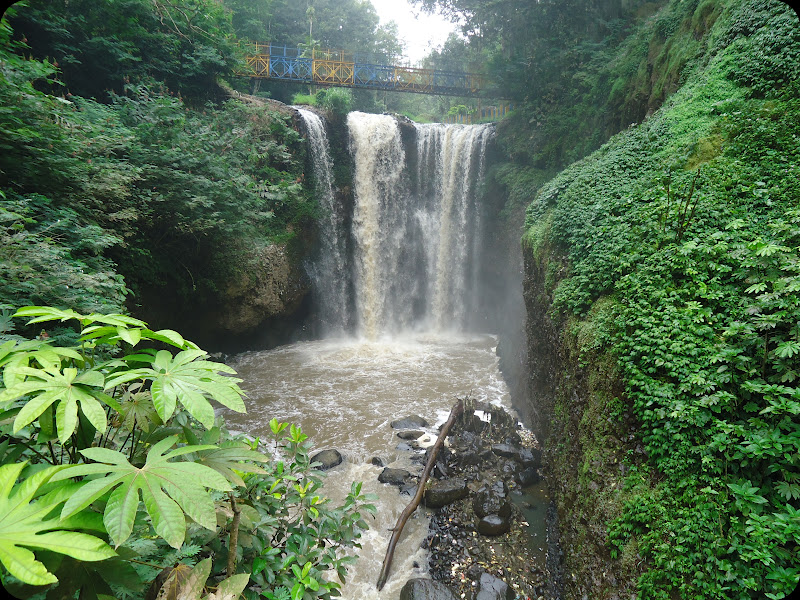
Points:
(415, 228)
(417, 241)
(329, 272)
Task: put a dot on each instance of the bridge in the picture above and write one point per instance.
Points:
(344, 69)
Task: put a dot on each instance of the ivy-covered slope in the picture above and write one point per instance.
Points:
(669, 264)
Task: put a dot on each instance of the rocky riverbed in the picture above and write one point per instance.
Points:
(480, 542)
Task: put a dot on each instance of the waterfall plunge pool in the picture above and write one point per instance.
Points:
(344, 393)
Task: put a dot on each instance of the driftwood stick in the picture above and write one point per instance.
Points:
(457, 409)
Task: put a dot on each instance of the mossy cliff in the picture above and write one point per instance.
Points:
(662, 284)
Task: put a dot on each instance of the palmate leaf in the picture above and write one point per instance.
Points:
(186, 378)
(25, 524)
(229, 458)
(50, 384)
(170, 490)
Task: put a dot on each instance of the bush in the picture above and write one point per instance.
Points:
(115, 442)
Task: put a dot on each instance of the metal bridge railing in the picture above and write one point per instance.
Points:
(340, 68)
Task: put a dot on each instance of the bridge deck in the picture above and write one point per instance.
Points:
(341, 69)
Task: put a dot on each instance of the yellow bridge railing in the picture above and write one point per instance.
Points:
(340, 68)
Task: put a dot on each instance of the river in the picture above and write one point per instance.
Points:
(397, 300)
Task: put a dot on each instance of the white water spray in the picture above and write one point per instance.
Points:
(415, 251)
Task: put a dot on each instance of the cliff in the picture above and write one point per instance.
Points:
(661, 286)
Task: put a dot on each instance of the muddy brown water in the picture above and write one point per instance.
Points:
(344, 394)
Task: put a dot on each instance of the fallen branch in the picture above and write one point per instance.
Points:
(457, 409)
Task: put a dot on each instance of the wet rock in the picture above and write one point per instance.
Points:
(493, 588)
(507, 451)
(529, 476)
(410, 434)
(441, 493)
(487, 501)
(393, 476)
(531, 458)
(473, 423)
(426, 589)
(378, 462)
(328, 458)
(493, 525)
(404, 447)
(410, 422)
(408, 489)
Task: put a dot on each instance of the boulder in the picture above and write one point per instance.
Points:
(410, 422)
(426, 589)
(530, 458)
(487, 501)
(493, 525)
(328, 458)
(529, 476)
(492, 588)
(410, 434)
(393, 476)
(507, 451)
(444, 492)
(377, 461)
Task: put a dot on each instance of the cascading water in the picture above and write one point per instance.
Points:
(400, 275)
(329, 271)
(415, 240)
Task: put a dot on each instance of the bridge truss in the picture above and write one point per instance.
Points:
(342, 69)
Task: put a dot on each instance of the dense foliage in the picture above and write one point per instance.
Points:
(173, 198)
(686, 230)
(114, 442)
(351, 25)
(99, 45)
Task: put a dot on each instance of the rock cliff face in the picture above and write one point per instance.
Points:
(274, 286)
(573, 395)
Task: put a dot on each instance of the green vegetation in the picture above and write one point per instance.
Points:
(176, 196)
(112, 441)
(686, 228)
(337, 101)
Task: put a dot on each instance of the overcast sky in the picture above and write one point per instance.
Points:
(421, 33)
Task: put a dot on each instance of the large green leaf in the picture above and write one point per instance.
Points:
(231, 457)
(67, 387)
(188, 379)
(169, 490)
(25, 524)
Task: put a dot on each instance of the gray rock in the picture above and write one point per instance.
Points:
(426, 589)
(410, 434)
(487, 501)
(492, 588)
(410, 422)
(444, 492)
(529, 476)
(393, 476)
(493, 525)
(506, 451)
(328, 458)
(530, 458)
(377, 461)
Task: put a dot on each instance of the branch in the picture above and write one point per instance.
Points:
(457, 409)
(233, 538)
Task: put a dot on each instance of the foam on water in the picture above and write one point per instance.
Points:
(344, 393)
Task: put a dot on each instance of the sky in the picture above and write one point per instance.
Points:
(420, 33)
